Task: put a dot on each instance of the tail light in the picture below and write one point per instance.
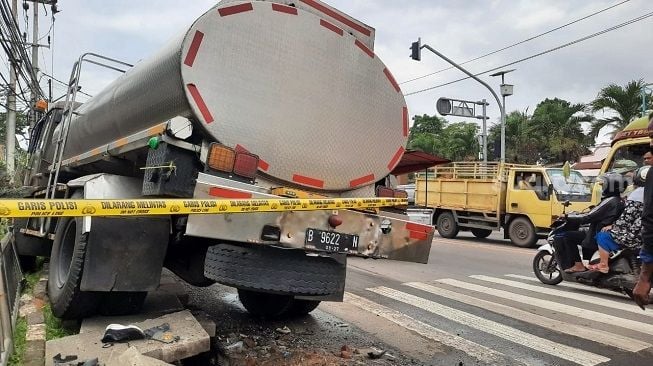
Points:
(232, 163)
(246, 165)
(221, 158)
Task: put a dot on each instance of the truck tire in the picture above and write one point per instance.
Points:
(522, 232)
(272, 306)
(447, 226)
(265, 305)
(274, 270)
(302, 307)
(65, 273)
(481, 233)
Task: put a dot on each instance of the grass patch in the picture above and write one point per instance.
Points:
(20, 333)
(53, 327)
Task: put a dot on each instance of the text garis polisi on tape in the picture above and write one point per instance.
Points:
(145, 207)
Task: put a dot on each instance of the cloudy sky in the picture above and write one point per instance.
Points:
(462, 30)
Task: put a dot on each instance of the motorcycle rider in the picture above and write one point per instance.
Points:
(604, 214)
(626, 231)
(643, 285)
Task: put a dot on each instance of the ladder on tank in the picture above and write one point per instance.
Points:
(68, 111)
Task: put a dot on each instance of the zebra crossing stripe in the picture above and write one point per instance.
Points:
(631, 307)
(594, 316)
(596, 335)
(570, 285)
(475, 350)
(517, 336)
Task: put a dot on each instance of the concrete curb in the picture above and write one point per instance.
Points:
(31, 307)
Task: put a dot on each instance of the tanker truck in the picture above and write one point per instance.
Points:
(256, 99)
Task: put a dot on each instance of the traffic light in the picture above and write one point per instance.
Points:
(416, 50)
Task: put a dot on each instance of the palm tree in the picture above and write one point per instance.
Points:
(560, 124)
(624, 101)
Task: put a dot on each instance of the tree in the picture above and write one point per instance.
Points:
(559, 123)
(522, 146)
(625, 101)
(434, 135)
(22, 126)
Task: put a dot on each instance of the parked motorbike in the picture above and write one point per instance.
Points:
(622, 276)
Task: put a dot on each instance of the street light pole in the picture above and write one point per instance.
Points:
(494, 94)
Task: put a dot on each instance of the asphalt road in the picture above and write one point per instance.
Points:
(476, 302)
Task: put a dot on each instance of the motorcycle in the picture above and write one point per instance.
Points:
(622, 276)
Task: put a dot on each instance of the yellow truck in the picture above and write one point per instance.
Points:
(628, 146)
(484, 197)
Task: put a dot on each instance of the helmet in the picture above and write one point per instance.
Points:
(613, 185)
(640, 176)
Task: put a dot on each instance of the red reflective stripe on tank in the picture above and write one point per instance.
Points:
(262, 164)
(231, 10)
(194, 47)
(388, 74)
(364, 48)
(418, 235)
(362, 180)
(200, 102)
(332, 27)
(314, 4)
(418, 227)
(395, 159)
(307, 181)
(405, 116)
(284, 9)
(228, 193)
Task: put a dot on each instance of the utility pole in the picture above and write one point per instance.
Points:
(35, 63)
(11, 111)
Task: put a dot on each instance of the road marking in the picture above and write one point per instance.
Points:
(475, 350)
(462, 241)
(631, 308)
(500, 330)
(572, 285)
(596, 335)
(554, 306)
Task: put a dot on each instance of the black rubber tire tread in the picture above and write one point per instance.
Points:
(122, 303)
(274, 270)
(444, 231)
(301, 308)
(541, 276)
(265, 305)
(531, 237)
(481, 233)
(69, 302)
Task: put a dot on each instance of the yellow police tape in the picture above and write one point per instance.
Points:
(146, 207)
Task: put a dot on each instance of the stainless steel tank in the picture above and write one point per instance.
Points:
(319, 107)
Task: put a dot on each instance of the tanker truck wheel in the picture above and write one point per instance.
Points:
(522, 232)
(266, 305)
(65, 273)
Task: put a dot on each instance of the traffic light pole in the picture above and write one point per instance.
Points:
(417, 56)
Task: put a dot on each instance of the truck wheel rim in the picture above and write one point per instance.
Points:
(66, 250)
(521, 231)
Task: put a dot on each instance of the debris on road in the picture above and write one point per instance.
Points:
(284, 330)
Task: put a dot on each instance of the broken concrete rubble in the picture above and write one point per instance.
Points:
(193, 340)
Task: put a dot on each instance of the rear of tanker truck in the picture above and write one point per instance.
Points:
(256, 99)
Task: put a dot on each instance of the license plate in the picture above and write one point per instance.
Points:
(331, 241)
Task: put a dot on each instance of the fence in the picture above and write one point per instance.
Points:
(10, 287)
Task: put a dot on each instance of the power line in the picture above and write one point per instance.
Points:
(518, 43)
(629, 22)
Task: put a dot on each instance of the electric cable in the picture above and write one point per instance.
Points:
(518, 43)
(629, 22)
